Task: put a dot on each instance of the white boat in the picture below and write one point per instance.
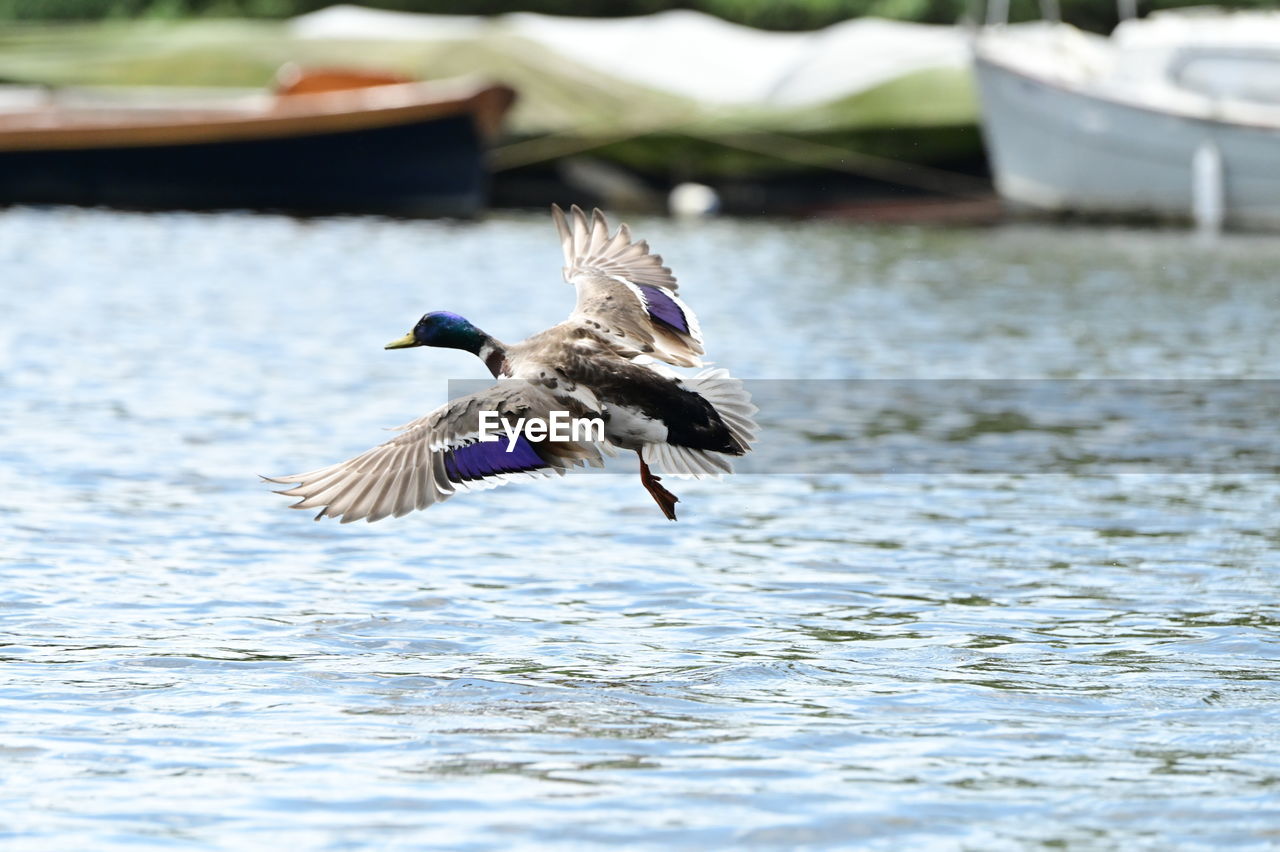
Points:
(1173, 117)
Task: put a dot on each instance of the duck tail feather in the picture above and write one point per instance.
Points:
(731, 400)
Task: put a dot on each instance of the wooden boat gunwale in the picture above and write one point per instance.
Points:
(114, 126)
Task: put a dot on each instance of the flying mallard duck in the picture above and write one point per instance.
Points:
(599, 363)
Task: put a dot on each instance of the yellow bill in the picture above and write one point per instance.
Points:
(403, 342)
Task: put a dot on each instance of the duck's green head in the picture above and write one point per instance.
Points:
(441, 328)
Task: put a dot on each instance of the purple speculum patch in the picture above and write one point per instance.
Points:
(489, 458)
(663, 307)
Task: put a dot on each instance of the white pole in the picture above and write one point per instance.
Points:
(1208, 195)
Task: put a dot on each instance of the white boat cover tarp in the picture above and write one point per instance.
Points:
(688, 54)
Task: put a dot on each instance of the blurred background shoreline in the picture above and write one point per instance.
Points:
(865, 110)
(1099, 16)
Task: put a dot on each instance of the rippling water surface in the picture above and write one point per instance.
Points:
(803, 661)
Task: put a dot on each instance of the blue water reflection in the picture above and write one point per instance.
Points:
(819, 660)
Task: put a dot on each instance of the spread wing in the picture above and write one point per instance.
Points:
(440, 455)
(624, 292)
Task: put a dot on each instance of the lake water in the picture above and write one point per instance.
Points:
(929, 660)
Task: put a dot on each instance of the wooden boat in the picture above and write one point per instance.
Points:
(324, 141)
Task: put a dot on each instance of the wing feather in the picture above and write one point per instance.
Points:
(437, 456)
(625, 294)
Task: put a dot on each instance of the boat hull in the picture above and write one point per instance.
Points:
(357, 146)
(1059, 150)
(433, 167)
